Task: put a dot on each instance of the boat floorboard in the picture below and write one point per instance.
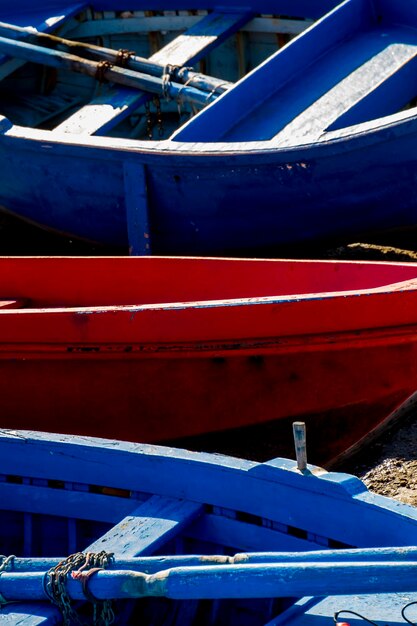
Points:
(387, 610)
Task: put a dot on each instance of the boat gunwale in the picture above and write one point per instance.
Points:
(401, 286)
(191, 148)
(372, 130)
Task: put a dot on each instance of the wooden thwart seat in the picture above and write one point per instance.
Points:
(106, 111)
(342, 104)
(151, 525)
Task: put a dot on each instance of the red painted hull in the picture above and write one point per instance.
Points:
(152, 349)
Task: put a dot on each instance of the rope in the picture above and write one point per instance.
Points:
(167, 75)
(80, 566)
(102, 68)
(84, 577)
(6, 562)
(403, 610)
(179, 99)
(365, 619)
(123, 56)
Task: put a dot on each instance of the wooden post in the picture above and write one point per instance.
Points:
(299, 430)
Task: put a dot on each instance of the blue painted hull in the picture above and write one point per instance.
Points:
(210, 204)
(187, 538)
(233, 177)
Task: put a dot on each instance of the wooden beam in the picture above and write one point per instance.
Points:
(197, 42)
(151, 525)
(137, 209)
(101, 28)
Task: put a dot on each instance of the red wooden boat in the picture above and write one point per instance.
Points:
(154, 349)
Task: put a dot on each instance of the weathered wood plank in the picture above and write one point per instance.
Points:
(45, 20)
(30, 614)
(250, 110)
(209, 32)
(137, 209)
(42, 22)
(151, 525)
(246, 486)
(153, 564)
(99, 117)
(245, 536)
(61, 502)
(348, 93)
(100, 28)
(269, 580)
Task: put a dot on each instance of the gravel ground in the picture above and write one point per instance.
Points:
(389, 465)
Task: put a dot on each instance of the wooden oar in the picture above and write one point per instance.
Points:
(151, 564)
(128, 78)
(269, 580)
(179, 74)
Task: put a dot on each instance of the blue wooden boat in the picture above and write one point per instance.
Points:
(174, 537)
(315, 141)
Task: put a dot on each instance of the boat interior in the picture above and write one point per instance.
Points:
(135, 505)
(211, 74)
(36, 282)
(223, 45)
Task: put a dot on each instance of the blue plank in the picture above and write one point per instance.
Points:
(378, 67)
(101, 115)
(43, 19)
(137, 208)
(269, 580)
(81, 505)
(30, 614)
(381, 610)
(151, 525)
(299, 8)
(41, 16)
(197, 42)
(239, 535)
(153, 564)
(103, 112)
(357, 519)
(367, 74)
(228, 116)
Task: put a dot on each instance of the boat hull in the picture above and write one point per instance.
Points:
(202, 203)
(157, 348)
(224, 181)
(252, 543)
(343, 387)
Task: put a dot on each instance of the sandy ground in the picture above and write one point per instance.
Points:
(389, 465)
